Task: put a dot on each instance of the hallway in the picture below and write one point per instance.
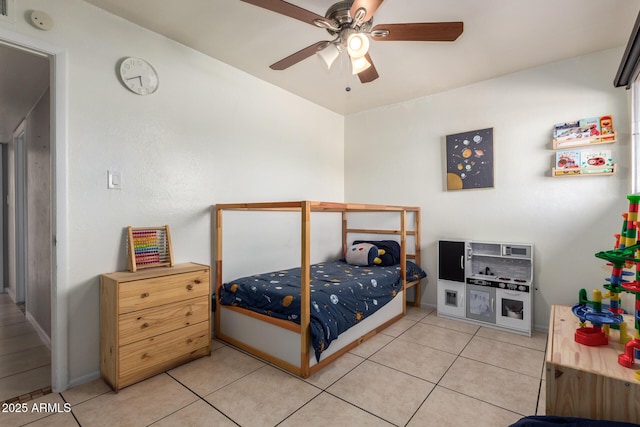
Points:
(25, 362)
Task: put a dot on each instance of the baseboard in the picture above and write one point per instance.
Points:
(84, 379)
(12, 294)
(541, 328)
(43, 335)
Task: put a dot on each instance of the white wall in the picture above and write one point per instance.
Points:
(210, 134)
(568, 219)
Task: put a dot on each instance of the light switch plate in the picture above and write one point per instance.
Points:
(114, 180)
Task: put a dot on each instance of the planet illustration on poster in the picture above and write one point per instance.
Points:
(470, 159)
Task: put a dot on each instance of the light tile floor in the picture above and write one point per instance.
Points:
(422, 371)
(25, 362)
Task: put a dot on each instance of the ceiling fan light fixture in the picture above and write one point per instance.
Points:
(357, 45)
(358, 65)
(329, 55)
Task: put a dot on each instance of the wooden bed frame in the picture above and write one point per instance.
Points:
(288, 344)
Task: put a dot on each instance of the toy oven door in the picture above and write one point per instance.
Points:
(513, 309)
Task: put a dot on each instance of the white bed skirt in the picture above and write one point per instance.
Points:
(285, 344)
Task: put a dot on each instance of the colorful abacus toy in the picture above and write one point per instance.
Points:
(149, 247)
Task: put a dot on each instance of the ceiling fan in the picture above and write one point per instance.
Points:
(351, 23)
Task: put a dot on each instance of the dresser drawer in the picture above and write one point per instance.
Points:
(146, 323)
(143, 356)
(141, 294)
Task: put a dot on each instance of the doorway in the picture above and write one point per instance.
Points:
(30, 173)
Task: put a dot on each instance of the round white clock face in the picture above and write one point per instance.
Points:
(138, 76)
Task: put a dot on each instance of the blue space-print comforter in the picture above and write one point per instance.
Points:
(341, 295)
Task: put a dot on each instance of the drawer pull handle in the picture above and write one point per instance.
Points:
(189, 287)
(145, 325)
(144, 356)
(189, 341)
(146, 294)
(197, 282)
(189, 313)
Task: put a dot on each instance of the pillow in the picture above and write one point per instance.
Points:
(389, 251)
(361, 254)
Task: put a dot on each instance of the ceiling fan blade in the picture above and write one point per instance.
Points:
(299, 56)
(424, 31)
(370, 74)
(290, 10)
(369, 5)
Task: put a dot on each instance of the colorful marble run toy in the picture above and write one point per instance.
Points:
(624, 255)
(593, 312)
(632, 348)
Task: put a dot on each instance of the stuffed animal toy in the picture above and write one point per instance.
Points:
(363, 254)
(388, 251)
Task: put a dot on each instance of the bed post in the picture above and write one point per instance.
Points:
(305, 293)
(403, 257)
(417, 293)
(218, 268)
(344, 232)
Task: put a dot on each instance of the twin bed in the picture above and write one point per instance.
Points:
(303, 318)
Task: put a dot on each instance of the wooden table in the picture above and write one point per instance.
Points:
(588, 382)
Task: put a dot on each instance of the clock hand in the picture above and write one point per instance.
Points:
(137, 77)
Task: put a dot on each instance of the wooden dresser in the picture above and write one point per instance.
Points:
(153, 320)
(588, 382)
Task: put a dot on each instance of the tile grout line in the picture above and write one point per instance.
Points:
(24, 371)
(475, 334)
(226, 385)
(26, 397)
(368, 358)
(72, 413)
(191, 403)
(364, 359)
(459, 355)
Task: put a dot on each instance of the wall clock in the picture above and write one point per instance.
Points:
(138, 76)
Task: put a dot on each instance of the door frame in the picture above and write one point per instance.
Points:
(58, 82)
(20, 212)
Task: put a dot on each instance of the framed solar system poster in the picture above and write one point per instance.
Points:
(470, 160)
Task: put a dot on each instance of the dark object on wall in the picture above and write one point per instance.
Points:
(630, 65)
(470, 160)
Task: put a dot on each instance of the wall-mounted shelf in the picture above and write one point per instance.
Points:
(570, 139)
(585, 142)
(591, 171)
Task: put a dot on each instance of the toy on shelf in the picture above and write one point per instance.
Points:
(584, 132)
(632, 348)
(148, 247)
(624, 255)
(593, 312)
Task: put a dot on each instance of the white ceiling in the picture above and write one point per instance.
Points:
(500, 37)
